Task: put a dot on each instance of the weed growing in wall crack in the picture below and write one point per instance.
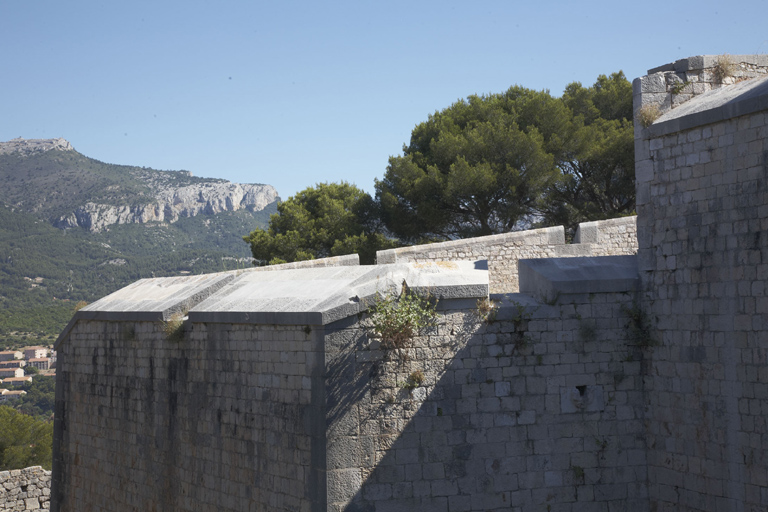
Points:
(647, 114)
(486, 310)
(724, 68)
(395, 320)
(679, 87)
(415, 379)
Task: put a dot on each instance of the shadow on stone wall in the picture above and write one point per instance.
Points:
(500, 420)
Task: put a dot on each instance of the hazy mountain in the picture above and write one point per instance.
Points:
(49, 178)
(73, 228)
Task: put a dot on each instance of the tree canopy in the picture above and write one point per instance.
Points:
(24, 440)
(597, 163)
(488, 164)
(329, 219)
(500, 162)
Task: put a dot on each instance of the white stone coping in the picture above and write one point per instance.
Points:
(548, 278)
(311, 296)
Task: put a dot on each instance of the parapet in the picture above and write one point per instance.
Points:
(502, 251)
(669, 86)
(309, 296)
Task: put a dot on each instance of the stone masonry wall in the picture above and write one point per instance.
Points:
(540, 408)
(670, 86)
(501, 251)
(224, 419)
(25, 489)
(612, 237)
(603, 238)
(703, 256)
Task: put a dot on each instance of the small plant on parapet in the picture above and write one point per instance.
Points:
(647, 115)
(173, 328)
(520, 315)
(679, 87)
(724, 67)
(396, 319)
(486, 310)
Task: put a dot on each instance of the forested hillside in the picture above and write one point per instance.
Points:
(45, 271)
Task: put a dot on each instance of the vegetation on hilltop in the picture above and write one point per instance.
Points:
(54, 183)
(45, 271)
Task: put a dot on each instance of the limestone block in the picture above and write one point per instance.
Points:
(581, 398)
(654, 83)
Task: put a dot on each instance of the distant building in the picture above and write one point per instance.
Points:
(11, 372)
(6, 394)
(53, 359)
(9, 355)
(13, 363)
(41, 363)
(16, 381)
(35, 352)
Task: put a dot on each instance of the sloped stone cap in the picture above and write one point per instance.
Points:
(311, 296)
(549, 277)
(151, 300)
(736, 100)
(319, 296)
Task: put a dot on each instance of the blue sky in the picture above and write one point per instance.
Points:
(293, 93)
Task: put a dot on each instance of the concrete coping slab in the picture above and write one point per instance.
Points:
(153, 299)
(321, 296)
(547, 278)
(713, 106)
(311, 296)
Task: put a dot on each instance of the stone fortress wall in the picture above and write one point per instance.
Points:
(211, 425)
(530, 404)
(538, 409)
(608, 382)
(502, 251)
(702, 207)
(25, 489)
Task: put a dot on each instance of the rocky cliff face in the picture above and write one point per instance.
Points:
(173, 203)
(96, 195)
(28, 146)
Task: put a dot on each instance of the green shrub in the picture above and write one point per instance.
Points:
(395, 320)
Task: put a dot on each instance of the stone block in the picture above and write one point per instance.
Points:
(655, 83)
(581, 399)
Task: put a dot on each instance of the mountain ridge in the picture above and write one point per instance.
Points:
(46, 266)
(123, 194)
